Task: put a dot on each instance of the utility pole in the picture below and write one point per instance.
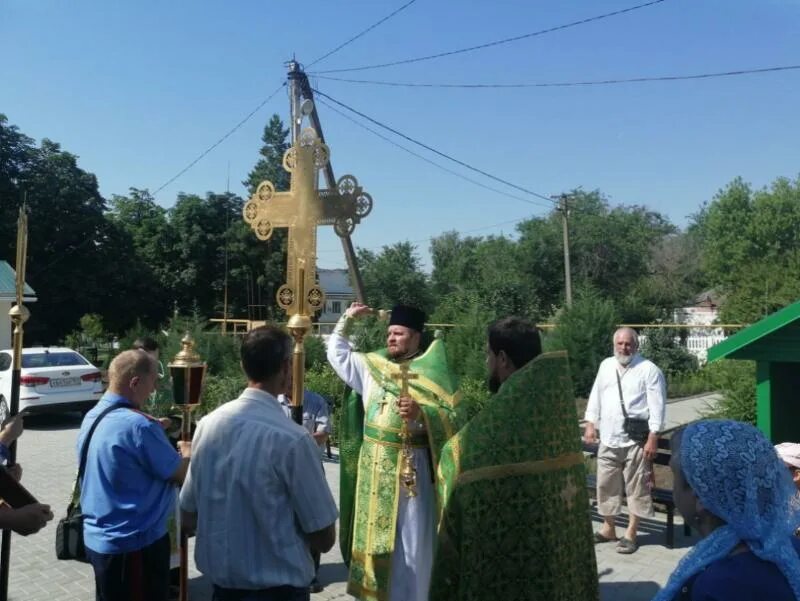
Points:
(299, 87)
(563, 207)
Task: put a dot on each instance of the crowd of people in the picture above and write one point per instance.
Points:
(432, 505)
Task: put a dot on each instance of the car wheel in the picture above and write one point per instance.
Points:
(3, 410)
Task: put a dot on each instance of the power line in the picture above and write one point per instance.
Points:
(432, 238)
(564, 84)
(433, 150)
(367, 30)
(220, 141)
(434, 163)
(496, 42)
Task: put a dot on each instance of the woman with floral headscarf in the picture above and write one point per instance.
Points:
(731, 486)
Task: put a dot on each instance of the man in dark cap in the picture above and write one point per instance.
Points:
(388, 519)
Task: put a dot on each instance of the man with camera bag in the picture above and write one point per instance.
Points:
(627, 402)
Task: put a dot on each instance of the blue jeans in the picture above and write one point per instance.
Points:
(277, 593)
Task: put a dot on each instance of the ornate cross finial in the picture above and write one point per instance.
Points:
(301, 210)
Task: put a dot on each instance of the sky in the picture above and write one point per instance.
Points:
(138, 90)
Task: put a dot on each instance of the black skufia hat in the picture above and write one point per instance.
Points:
(410, 317)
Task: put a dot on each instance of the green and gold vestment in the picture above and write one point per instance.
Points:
(516, 522)
(369, 452)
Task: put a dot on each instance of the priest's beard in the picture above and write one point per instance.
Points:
(494, 383)
(623, 360)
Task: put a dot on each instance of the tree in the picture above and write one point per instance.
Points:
(610, 248)
(751, 247)
(70, 245)
(395, 276)
(585, 331)
(270, 166)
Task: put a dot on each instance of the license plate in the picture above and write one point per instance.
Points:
(63, 382)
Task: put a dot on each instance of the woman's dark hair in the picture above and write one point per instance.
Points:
(264, 350)
(518, 337)
(145, 343)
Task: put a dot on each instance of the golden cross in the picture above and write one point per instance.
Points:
(301, 210)
(404, 376)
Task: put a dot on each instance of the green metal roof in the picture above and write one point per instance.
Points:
(8, 283)
(774, 338)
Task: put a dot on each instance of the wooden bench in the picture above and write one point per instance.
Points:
(662, 496)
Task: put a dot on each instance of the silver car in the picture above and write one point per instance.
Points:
(51, 379)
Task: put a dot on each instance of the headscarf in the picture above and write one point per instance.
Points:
(735, 472)
(789, 452)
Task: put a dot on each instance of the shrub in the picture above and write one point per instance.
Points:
(736, 380)
(662, 348)
(584, 330)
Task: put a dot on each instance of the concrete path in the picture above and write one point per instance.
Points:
(47, 454)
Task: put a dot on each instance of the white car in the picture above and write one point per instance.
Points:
(51, 379)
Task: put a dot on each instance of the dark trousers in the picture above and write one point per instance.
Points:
(277, 593)
(141, 575)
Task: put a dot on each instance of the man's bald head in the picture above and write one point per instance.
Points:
(132, 374)
(626, 345)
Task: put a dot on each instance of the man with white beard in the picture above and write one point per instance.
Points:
(627, 404)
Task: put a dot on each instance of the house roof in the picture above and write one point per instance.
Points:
(8, 284)
(335, 281)
(774, 338)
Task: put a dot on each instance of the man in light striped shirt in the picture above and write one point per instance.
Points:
(256, 488)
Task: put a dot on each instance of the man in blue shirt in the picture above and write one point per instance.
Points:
(128, 487)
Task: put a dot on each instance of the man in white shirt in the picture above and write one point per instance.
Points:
(256, 487)
(626, 379)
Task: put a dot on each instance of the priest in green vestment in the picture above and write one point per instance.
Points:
(515, 523)
(386, 535)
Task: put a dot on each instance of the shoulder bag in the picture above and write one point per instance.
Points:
(69, 533)
(636, 428)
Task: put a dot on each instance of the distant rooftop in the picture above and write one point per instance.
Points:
(8, 284)
(335, 281)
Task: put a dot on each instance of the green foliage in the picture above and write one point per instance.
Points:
(92, 326)
(662, 348)
(270, 166)
(474, 395)
(751, 247)
(585, 331)
(315, 352)
(736, 380)
(466, 341)
(683, 384)
(395, 276)
(219, 390)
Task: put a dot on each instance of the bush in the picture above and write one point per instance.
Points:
(315, 352)
(689, 383)
(736, 380)
(660, 346)
(585, 331)
(474, 396)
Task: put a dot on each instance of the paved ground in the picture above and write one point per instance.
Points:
(46, 452)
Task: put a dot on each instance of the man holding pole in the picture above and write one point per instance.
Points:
(256, 489)
(392, 430)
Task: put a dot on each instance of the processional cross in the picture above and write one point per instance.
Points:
(408, 473)
(301, 210)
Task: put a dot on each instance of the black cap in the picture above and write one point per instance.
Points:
(410, 317)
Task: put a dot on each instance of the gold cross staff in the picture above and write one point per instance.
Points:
(301, 210)
(408, 473)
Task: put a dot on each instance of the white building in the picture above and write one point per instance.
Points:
(8, 296)
(703, 312)
(338, 296)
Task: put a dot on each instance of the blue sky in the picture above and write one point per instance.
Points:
(138, 89)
